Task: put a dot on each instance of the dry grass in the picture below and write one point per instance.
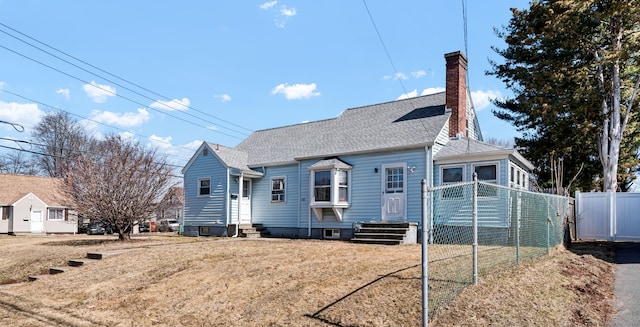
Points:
(176, 281)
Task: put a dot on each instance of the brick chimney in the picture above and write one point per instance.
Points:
(456, 93)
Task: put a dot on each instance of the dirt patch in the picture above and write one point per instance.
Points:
(570, 288)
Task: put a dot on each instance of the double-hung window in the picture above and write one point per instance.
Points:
(56, 214)
(204, 186)
(277, 189)
(322, 186)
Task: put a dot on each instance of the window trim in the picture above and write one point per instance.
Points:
(283, 198)
(62, 210)
(443, 167)
(488, 163)
(334, 189)
(200, 180)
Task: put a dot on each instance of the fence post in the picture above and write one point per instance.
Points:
(518, 215)
(425, 254)
(475, 228)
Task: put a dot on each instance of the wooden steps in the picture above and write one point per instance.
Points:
(387, 233)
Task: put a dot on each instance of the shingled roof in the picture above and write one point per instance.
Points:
(466, 147)
(47, 189)
(408, 123)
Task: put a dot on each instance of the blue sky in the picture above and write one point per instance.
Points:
(217, 70)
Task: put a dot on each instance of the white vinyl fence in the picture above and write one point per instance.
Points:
(608, 216)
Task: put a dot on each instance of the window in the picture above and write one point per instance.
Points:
(343, 186)
(487, 173)
(395, 180)
(329, 187)
(56, 214)
(6, 212)
(204, 231)
(204, 186)
(322, 186)
(452, 175)
(277, 189)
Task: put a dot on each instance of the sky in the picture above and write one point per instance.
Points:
(172, 74)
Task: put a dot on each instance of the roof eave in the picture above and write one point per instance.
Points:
(397, 148)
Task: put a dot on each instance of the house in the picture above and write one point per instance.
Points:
(34, 204)
(321, 179)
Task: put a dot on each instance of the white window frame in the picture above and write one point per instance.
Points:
(518, 177)
(334, 189)
(200, 180)
(443, 167)
(488, 163)
(453, 194)
(282, 198)
(55, 218)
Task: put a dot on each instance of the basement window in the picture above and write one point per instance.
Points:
(331, 233)
(204, 231)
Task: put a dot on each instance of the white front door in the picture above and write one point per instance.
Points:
(245, 202)
(394, 189)
(37, 225)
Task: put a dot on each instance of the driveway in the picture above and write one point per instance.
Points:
(627, 287)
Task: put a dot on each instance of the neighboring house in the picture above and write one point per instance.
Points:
(34, 204)
(170, 207)
(322, 178)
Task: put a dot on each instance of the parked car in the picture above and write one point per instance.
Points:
(169, 225)
(99, 228)
(144, 227)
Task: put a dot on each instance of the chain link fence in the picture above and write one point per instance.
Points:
(478, 228)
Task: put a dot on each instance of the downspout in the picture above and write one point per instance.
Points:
(228, 206)
(240, 182)
(299, 195)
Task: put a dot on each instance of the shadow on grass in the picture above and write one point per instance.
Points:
(316, 315)
(600, 250)
(21, 307)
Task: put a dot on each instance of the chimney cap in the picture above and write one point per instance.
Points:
(456, 54)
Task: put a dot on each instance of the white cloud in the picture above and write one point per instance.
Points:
(25, 115)
(296, 91)
(268, 5)
(127, 119)
(411, 94)
(427, 91)
(432, 90)
(282, 14)
(223, 97)
(64, 92)
(482, 99)
(400, 75)
(419, 73)
(127, 136)
(99, 92)
(287, 12)
(175, 104)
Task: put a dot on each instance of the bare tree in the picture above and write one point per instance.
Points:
(60, 138)
(119, 184)
(18, 163)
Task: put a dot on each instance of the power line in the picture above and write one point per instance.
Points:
(91, 120)
(65, 158)
(121, 96)
(15, 126)
(116, 76)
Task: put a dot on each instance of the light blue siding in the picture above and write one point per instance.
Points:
(263, 211)
(365, 202)
(206, 210)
